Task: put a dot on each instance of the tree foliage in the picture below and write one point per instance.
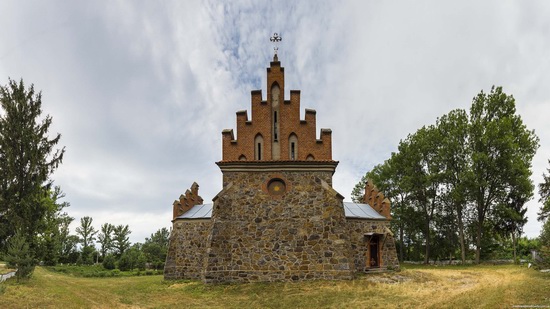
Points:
(27, 160)
(105, 239)
(121, 239)
(19, 256)
(87, 237)
(502, 150)
(461, 182)
(132, 258)
(544, 192)
(54, 228)
(86, 232)
(155, 248)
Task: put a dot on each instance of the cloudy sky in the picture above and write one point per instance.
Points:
(141, 90)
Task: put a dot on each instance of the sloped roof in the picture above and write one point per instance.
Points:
(203, 211)
(352, 210)
(361, 211)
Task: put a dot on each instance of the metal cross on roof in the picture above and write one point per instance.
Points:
(276, 38)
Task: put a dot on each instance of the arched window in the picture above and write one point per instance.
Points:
(275, 92)
(258, 147)
(242, 158)
(310, 157)
(275, 122)
(293, 147)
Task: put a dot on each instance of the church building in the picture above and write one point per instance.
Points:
(277, 217)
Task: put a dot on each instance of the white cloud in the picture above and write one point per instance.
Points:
(141, 91)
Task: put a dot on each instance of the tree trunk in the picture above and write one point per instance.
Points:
(514, 240)
(478, 241)
(402, 244)
(427, 236)
(461, 236)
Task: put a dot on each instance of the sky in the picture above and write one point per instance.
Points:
(141, 90)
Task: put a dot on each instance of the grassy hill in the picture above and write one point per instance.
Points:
(414, 287)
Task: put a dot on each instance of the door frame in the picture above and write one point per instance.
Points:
(370, 238)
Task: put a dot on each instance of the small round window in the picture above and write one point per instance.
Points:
(276, 187)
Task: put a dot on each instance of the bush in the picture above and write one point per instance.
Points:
(79, 261)
(158, 265)
(109, 262)
(132, 258)
(125, 263)
(544, 258)
(18, 256)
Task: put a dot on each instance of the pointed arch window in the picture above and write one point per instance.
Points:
(293, 147)
(275, 93)
(258, 147)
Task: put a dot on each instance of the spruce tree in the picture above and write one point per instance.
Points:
(27, 160)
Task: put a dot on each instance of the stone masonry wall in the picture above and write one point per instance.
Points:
(260, 237)
(187, 249)
(357, 230)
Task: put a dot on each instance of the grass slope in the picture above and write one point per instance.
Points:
(414, 287)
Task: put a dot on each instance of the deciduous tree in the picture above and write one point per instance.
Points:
(121, 239)
(454, 157)
(544, 192)
(54, 228)
(501, 148)
(105, 239)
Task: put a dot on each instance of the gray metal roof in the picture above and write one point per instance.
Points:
(352, 210)
(198, 212)
(361, 211)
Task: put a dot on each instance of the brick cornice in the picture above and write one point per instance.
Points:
(277, 166)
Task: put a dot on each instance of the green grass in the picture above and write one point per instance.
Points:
(416, 286)
(99, 271)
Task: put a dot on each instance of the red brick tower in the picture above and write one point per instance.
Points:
(276, 132)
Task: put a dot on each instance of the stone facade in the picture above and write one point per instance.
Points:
(277, 217)
(257, 236)
(187, 249)
(361, 233)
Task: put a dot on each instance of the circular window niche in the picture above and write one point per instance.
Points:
(276, 187)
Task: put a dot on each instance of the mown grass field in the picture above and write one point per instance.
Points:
(483, 286)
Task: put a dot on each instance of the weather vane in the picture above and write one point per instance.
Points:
(276, 38)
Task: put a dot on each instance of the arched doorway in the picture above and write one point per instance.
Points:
(372, 257)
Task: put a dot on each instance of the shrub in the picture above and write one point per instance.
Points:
(18, 256)
(79, 261)
(125, 262)
(109, 262)
(158, 265)
(132, 258)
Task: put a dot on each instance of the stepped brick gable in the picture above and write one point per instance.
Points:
(187, 201)
(277, 122)
(376, 199)
(277, 216)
